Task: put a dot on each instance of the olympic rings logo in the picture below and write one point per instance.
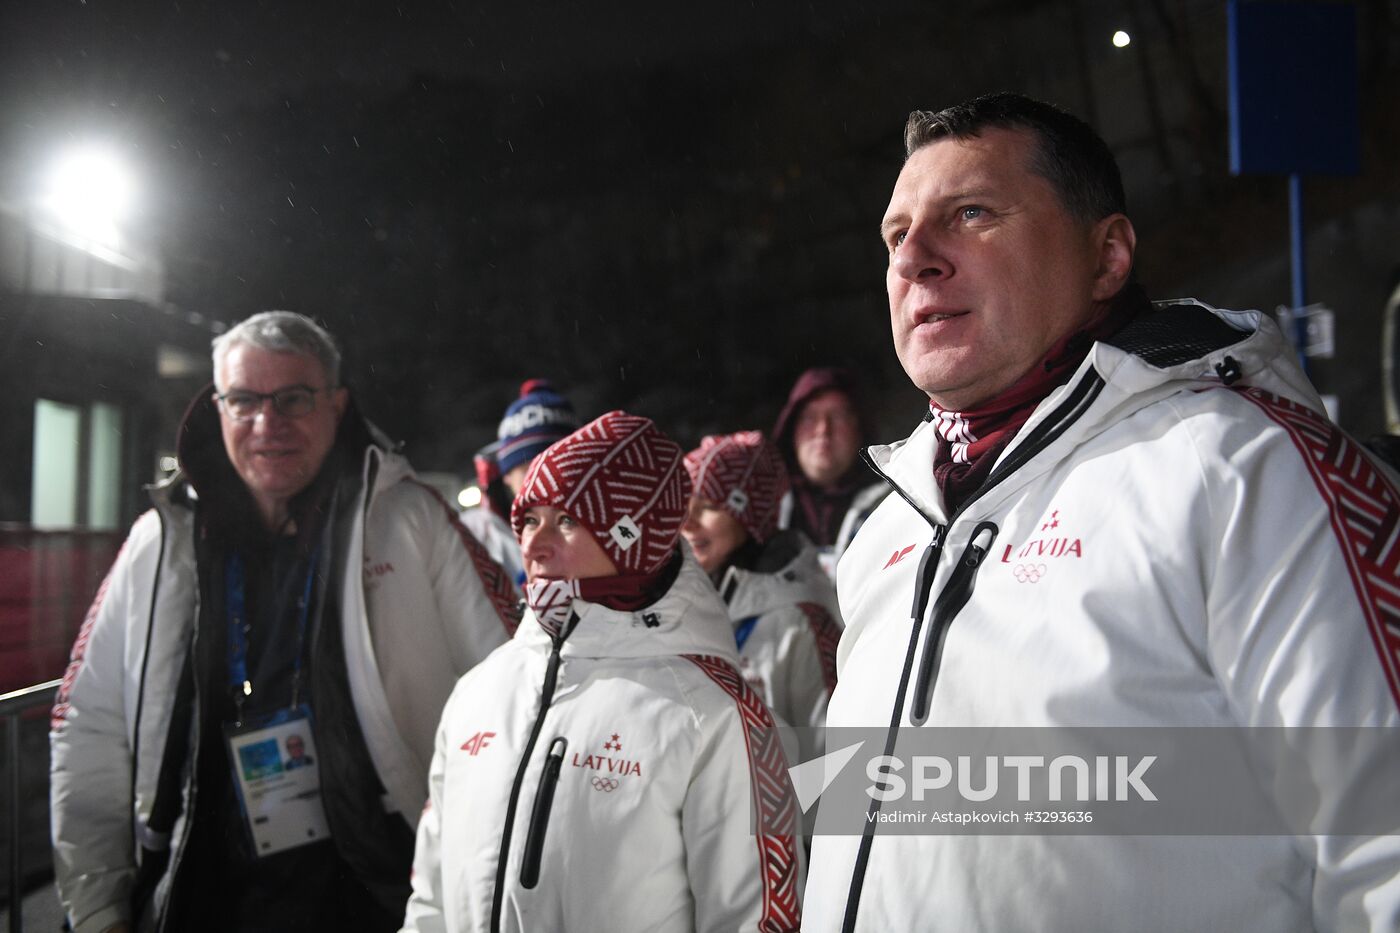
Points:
(607, 785)
(1029, 573)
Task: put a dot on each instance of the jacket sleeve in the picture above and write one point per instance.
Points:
(1302, 614)
(812, 664)
(90, 765)
(741, 879)
(437, 605)
(424, 913)
(498, 540)
(806, 673)
(473, 595)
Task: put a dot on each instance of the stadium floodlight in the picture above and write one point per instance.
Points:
(88, 192)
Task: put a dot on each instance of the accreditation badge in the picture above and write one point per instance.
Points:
(278, 778)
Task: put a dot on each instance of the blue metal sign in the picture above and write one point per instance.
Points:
(1293, 89)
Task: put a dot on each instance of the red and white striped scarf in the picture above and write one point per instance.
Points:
(553, 600)
(970, 441)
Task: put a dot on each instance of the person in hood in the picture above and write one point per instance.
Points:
(781, 603)
(609, 768)
(820, 432)
(1115, 514)
(293, 585)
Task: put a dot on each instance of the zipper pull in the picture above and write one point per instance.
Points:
(555, 760)
(949, 603)
(539, 816)
(928, 568)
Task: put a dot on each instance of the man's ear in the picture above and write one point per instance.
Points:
(1115, 242)
(340, 399)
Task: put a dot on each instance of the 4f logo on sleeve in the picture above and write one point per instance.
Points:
(477, 742)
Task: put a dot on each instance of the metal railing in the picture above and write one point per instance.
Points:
(12, 706)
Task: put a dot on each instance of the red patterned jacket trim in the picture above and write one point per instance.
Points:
(1364, 509)
(494, 578)
(774, 801)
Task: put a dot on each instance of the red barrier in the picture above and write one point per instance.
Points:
(47, 581)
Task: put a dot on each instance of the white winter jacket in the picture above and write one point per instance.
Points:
(500, 542)
(862, 505)
(421, 603)
(1177, 537)
(607, 784)
(787, 627)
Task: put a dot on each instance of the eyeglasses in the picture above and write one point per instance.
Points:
(291, 402)
(838, 418)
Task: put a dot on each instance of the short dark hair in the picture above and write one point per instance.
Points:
(1068, 154)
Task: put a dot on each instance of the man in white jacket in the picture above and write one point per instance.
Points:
(242, 739)
(608, 769)
(1114, 515)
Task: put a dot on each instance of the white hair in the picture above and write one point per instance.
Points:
(282, 332)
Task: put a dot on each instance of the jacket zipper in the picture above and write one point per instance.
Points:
(177, 850)
(949, 603)
(539, 816)
(551, 679)
(928, 567)
(147, 898)
(146, 657)
(1080, 398)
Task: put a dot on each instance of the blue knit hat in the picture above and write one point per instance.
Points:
(537, 419)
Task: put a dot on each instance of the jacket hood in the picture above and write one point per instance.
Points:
(809, 385)
(206, 468)
(689, 618)
(789, 572)
(1183, 345)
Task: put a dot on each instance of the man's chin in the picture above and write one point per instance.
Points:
(826, 473)
(279, 487)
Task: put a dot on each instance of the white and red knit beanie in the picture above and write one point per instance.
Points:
(744, 475)
(623, 480)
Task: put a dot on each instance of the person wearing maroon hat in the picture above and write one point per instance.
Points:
(609, 768)
(781, 603)
(820, 431)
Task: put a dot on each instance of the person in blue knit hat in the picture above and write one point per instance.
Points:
(538, 418)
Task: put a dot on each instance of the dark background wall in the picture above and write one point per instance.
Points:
(670, 209)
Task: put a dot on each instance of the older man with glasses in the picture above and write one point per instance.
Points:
(294, 585)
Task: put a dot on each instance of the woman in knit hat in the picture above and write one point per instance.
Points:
(599, 771)
(780, 602)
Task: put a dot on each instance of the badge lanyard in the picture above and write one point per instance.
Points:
(236, 605)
